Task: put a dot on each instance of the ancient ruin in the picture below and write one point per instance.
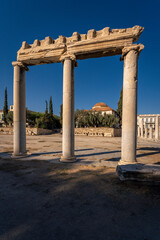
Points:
(68, 50)
(148, 126)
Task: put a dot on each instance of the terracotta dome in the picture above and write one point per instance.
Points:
(100, 105)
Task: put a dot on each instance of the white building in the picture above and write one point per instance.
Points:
(9, 110)
(148, 120)
(103, 109)
(148, 126)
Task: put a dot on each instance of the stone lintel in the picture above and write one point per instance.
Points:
(105, 42)
(139, 172)
(136, 47)
(20, 64)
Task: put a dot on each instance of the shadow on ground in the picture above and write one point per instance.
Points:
(40, 200)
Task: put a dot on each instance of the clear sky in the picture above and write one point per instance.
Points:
(96, 80)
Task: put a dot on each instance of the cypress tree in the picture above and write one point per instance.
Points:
(119, 110)
(50, 106)
(5, 108)
(46, 111)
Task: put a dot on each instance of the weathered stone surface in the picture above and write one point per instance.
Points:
(101, 43)
(129, 111)
(139, 172)
(68, 111)
(19, 115)
(102, 131)
(29, 131)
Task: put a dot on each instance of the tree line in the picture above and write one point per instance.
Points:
(44, 120)
(82, 118)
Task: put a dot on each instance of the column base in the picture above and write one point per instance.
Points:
(19, 155)
(68, 159)
(122, 162)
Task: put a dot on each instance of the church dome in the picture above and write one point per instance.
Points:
(99, 105)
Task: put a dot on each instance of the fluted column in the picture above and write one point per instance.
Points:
(129, 113)
(68, 109)
(142, 135)
(138, 131)
(151, 132)
(146, 131)
(19, 114)
(157, 128)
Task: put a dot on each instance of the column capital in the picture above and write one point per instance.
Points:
(68, 55)
(136, 47)
(20, 64)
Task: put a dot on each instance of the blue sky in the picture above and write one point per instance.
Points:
(96, 80)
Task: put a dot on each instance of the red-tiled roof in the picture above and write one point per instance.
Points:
(103, 109)
(101, 104)
(99, 107)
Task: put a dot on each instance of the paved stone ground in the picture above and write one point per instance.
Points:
(81, 201)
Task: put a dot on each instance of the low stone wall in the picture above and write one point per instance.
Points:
(106, 132)
(29, 131)
(6, 130)
(38, 131)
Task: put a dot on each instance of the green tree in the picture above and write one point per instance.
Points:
(119, 110)
(93, 119)
(9, 117)
(48, 121)
(50, 106)
(109, 121)
(46, 111)
(5, 108)
(61, 113)
(31, 117)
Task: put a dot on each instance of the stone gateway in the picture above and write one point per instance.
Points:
(68, 50)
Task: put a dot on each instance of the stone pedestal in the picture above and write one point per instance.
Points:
(157, 128)
(68, 111)
(140, 172)
(19, 116)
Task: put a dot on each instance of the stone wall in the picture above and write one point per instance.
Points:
(106, 132)
(29, 131)
(38, 131)
(6, 130)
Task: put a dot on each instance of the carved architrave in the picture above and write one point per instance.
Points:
(101, 43)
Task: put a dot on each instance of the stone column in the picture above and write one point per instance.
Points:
(129, 113)
(146, 132)
(142, 135)
(138, 131)
(68, 109)
(19, 114)
(151, 132)
(157, 128)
